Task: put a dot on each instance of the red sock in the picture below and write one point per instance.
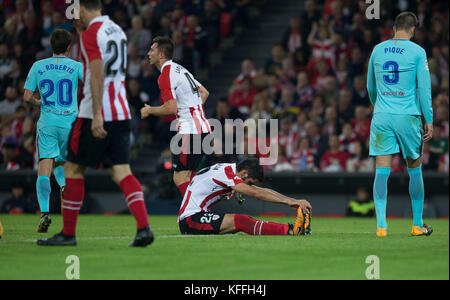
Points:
(73, 199)
(131, 189)
(256, 227)
(183, 187)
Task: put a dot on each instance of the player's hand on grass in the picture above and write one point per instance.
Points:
(97, 127)
(428, 132)
(146, 111)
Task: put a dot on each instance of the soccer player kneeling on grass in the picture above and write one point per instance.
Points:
(221, 182)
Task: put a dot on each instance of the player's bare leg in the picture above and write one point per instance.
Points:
(417, 194)
(181, 180)
(43, 190)
(132, 191)
(383, 170)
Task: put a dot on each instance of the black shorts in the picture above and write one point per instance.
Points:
(202, 223)
(187, 160)
(84, 149)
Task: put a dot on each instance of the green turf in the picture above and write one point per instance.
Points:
(337, 249)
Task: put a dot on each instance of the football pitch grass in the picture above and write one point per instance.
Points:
(337, 249)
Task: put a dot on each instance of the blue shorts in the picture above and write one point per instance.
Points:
(391, 133)
(52, 142)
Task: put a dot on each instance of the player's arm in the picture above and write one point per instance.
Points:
(97, 79)
(269, 195)
(424, 92)
(371, 82)
(28, 97)
(167, 109)
(204, 94)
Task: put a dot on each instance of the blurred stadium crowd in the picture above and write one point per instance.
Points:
(314, 81)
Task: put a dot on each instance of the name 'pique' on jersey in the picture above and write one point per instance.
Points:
(175, 82)
(104, 39)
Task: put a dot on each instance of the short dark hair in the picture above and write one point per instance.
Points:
(165, 45)
(255, 170)
(405, 21)
(60, 41)
(91, 4)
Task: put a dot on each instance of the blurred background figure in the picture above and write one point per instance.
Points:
(362, 205)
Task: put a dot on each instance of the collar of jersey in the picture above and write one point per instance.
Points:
(99, 19)
(165, 64)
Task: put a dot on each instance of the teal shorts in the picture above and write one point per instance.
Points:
(391, 133)
(52, 142)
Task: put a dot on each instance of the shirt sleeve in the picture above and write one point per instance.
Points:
(166, 85)
(371, 81)
(90, 42)
(424, 86)
(31, 82)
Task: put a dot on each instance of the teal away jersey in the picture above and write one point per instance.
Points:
(398, 79)
(57, 80)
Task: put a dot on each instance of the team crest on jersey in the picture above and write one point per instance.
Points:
(426, 65)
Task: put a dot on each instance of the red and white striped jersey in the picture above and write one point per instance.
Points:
(207, 188)
(104, 39)
(175, 82)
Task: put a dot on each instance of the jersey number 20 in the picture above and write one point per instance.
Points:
(63, 91)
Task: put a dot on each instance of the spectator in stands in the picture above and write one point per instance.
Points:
(31, 34)
(18, 202)
(285, 103)
(330, 91)
(242, 99)
(273, 88)
(347, 139)
(304, 93)
(322, 40)
(292, 38)
(333, 159)
(362, 206)
(360, 162)
(309, 16)
(438, 146)
(165, 27)
(182, 54)
(9, 33)
(330, 125)
(300, 124)
(134, 62)
(342, 73)
(210, 21)
(261, 109)
(5, 61)
(357, 64)
(13, 77)
(443, 164)
(10, 103)
(275, 63)
(139, 36)
(346, 110)
(361, 123)
(283, 163)
(24, 157)
(148, 21)
(360, 96)
(247, 69)
(195, 37)
(303, 159)
(9, 147)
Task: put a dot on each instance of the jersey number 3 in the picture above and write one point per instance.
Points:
(392, 68)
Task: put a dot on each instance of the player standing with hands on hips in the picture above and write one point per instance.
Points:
(101, 132)
(399, 87)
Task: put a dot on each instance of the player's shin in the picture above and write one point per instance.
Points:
(73, 199)
(132, 190)
(256, 227)
(417, 194)
(43, 190)
(59, 176)
(380, 195)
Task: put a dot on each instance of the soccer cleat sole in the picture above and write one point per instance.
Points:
(44, 224)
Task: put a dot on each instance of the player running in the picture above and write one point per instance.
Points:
(183, 96)
(57, 80)
(399, 87)
(220, 182)
(101, 132)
